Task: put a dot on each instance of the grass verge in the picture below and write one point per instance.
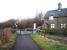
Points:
(8, 45)
(48, 44)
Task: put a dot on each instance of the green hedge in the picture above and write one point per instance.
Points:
(61, 32)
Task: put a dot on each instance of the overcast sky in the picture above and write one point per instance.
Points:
(23, 9)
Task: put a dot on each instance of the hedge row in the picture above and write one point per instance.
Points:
(61, 32)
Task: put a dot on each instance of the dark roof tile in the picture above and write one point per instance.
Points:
(56, 13)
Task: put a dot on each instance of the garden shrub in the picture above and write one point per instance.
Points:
(65, 32)
(41, 32)
(61, 32)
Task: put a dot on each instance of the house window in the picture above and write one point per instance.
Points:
(52, 25)
(63, 25)
(51, 18)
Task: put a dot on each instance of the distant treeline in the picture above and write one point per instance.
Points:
(28, 23)
(9, 23)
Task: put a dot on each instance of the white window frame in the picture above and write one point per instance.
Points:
(63, 25)
(52, 25)
(51, 17)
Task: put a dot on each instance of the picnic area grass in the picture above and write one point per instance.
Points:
(48, 44)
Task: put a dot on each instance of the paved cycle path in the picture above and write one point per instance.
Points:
(24, 42)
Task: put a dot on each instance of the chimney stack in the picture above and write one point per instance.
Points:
(59, 6)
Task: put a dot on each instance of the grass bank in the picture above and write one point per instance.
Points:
(8, 45)
(48, 44)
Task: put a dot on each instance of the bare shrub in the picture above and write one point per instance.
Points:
(6, 34)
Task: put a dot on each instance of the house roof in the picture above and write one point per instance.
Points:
(57, 13)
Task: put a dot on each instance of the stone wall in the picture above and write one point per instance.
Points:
(57, 21)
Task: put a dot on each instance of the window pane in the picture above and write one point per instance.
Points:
(51, 18)
(52, 25)
(63, 25)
